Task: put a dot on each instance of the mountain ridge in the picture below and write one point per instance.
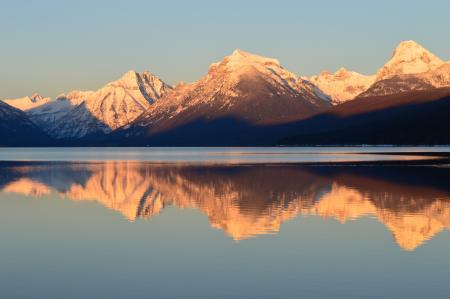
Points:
(244, 87)
(102, 111)
(418, 117)
(239, 97)
(28, 102)
(404, 71)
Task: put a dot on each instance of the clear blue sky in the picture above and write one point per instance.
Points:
(55, 46)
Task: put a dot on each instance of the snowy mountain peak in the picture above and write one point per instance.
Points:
(133, 80)
(240, 64)
(325, 73)
(410, 51)
(75, 97)
(239, 52)
(436, 78)
(36, 97)
(408, 46)
(116, 104)
(28, 102)
(240, 61)
(128, 78)
(409, 57)
(243, 87)
(342, 73)
(343, 85)
(244, 68)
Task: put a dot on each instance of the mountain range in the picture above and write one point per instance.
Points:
(247, 99)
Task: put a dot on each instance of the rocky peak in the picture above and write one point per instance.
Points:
(151, 86)
(342, 73)
(28, 102)
(241, 61)
(409, 57)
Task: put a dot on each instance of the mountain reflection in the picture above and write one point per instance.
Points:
(246, 201)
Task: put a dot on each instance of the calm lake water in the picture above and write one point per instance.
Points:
(224, 223)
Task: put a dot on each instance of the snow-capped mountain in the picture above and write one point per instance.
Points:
(432, 79)
(83, 113)
(411, 67)
(28, 102)
(16, 128)
(239, 99)
(343, 85)
(47, 115)
(409, 58)
(243, 87)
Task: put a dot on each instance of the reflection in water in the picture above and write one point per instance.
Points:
(245, 201)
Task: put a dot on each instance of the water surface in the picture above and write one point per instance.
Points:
(92, 228)
(235, 155)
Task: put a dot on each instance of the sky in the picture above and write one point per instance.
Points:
(53, 47)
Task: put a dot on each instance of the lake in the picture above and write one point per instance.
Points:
(369, 222)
